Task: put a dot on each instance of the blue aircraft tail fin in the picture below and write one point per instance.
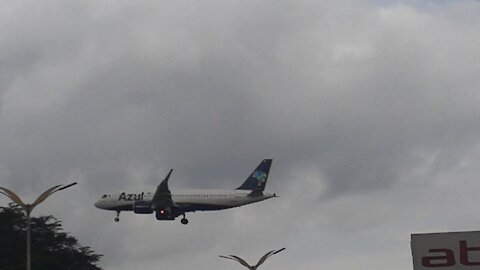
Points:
(258, 179)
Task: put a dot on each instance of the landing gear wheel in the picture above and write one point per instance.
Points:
(184, 221)
(117, 219)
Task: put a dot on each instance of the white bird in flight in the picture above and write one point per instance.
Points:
(252, 267)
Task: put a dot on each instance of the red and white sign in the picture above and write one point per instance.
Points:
(446, 251)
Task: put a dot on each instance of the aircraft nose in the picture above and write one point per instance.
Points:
(98, 204)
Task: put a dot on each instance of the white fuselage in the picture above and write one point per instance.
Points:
(188, 200)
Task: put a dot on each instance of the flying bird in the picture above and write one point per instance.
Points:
(254, 267)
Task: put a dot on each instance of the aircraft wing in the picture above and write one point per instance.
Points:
(163, 196)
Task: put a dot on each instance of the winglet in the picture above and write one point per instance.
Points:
(168, 175)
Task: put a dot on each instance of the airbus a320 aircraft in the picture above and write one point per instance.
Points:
(169, 205)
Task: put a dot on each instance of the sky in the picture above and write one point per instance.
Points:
(370, 110)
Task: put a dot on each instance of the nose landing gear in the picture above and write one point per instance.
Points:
(117, 219)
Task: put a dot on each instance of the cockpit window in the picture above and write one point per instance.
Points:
(104, 196)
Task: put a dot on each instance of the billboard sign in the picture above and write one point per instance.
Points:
(446, 251)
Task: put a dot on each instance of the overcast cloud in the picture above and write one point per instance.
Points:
(370, 110)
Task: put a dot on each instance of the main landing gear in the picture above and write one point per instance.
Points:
(184, 220)
(117, 219)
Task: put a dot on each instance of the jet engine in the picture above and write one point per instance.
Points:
(142, 207)
(165, 213)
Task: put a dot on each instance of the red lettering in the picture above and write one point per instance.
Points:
(448, 259)
(464, 250)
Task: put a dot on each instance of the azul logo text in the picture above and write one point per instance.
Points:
(131, 196)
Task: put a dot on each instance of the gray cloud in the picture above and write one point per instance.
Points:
(369, 110)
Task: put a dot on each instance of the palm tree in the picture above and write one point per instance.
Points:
(254, 267)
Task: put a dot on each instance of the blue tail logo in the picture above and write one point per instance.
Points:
(260, 176)
(258, 179)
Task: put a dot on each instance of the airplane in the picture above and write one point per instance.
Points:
(168, 205)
